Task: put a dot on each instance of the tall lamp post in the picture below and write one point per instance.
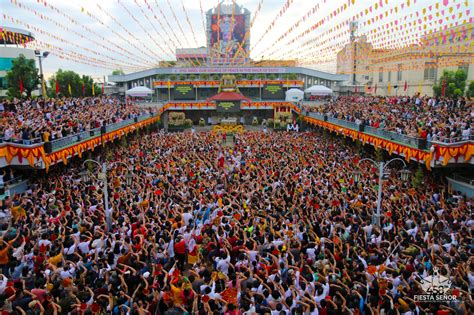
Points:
(40, 57)
(404, 175)
(102, 176)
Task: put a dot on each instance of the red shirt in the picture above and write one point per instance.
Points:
(180, 248)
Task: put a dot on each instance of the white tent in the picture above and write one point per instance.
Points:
(294, 95)
(318, 90)
(139, 91)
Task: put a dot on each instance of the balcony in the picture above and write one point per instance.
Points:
(37, 154)
(432, 153)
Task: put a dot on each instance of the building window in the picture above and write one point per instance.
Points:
(367, 77)
(399, 72)
(465, 68)
(429, 71)
(389, 76)
(381, 74)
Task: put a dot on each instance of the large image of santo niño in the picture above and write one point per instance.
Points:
(227, 33)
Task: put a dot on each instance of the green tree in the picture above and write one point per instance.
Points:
(470, 89)
(261, 76)
(205, 76)
(22, 69)
(118, 72)
(455, 83)
(88, 81)
(172, 77)
(73, 79)
(379, 154)
(417, 180)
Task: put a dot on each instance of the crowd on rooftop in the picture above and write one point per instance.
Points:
(274, 224)
(435, 119)
(27, 121)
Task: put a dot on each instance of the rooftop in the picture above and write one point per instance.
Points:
(15, 36)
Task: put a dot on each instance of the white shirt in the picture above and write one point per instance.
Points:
(84, 247)
(3, 284)
(223, 265)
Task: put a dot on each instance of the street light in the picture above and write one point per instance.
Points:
(128, 179)
(84, 175)
(102, 176)
(356, 175)
(40, 57)
(404, 175)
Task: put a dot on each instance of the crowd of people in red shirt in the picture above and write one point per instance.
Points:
(273, 224)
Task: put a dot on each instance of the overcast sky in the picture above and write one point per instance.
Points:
(103, 40)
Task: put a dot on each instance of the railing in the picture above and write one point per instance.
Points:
(452, 142)
(11, 181)
(21, 141)
(85, 135)
(410, 141)
(463, 179)
(75, 138)
(344, 123)
(393, 136)
(118, 125)
(317, 116)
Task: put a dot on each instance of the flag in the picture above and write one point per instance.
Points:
(103, 88)
(443, 88)
(406, 86)
(83, 89)
(57, 87)
(356, 89)
(419, 88)
(93, 91)
(21, 87)
(69, 89)
(389, 88)
(375, 90)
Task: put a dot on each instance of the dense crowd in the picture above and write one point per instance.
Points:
(274, 224)
(39, 120)
(435, 119)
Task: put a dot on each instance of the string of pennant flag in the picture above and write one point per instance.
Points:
(312, 38)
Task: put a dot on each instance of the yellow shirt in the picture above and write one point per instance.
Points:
(18, 212)
(176, 295)
(46, 136)
(4, 255)
(55, 260)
